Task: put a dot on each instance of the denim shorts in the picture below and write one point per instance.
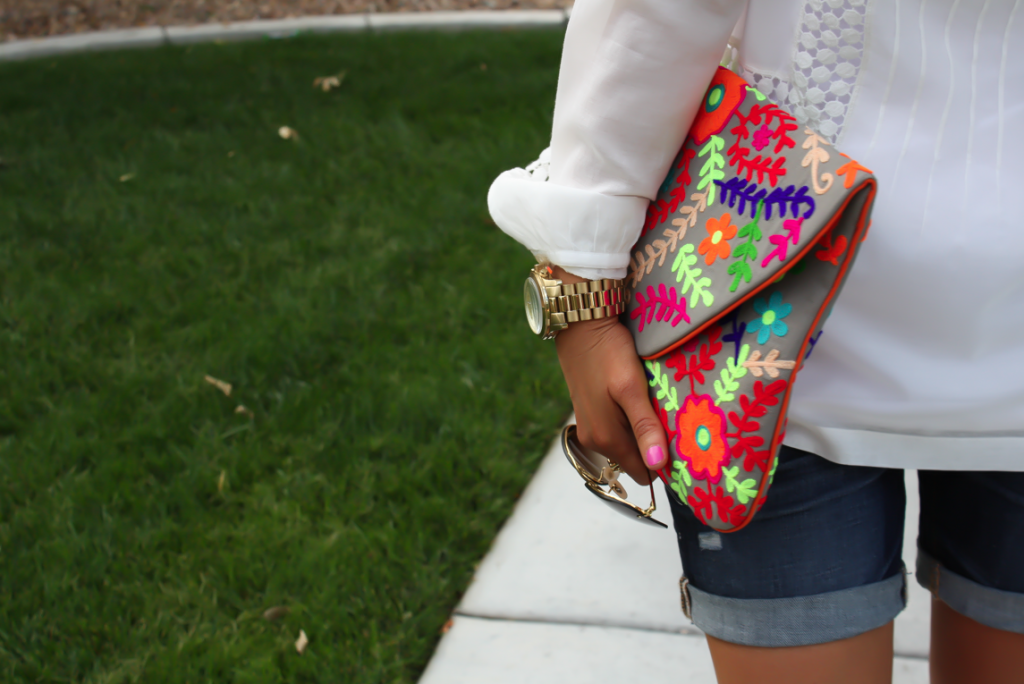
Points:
(822, 560)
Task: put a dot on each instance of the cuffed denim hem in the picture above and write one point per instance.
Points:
(992, 607)
(799, 620)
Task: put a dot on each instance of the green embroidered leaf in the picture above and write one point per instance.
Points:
(761, 97)
(741, 269)
(691, 277)
(715, 144)
(713, 167)
(654, 367)
(746, 251)
(745, 490)
(666, 392)
(685, 258)
(681, 479)
(771, 474)
(672, 403)
(681, 472)
(733, 371)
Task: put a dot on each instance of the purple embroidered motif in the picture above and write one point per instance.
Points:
(790, 198)
(813, 342)
(738, 329)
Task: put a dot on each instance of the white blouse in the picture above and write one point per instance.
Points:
(922, 362)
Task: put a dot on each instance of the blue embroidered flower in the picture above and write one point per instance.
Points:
(771, 317)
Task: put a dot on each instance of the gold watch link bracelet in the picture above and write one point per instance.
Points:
(552, 305)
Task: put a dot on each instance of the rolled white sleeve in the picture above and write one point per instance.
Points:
(633, 73)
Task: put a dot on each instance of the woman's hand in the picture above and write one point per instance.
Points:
(614, 415)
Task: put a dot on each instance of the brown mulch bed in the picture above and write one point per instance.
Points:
(32, 18)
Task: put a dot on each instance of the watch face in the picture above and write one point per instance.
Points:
(534, 306)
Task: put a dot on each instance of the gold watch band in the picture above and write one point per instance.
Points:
(588, 300)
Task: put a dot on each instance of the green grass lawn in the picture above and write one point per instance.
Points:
(349, 285)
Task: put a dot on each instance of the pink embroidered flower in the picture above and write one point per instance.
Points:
(762, 136)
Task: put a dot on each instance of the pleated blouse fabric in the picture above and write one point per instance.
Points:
(921, 364)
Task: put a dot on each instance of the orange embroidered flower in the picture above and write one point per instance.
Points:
(700, 441)
(716, 244)
(724, 95)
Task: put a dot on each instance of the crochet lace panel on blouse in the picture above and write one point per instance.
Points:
(826, 60)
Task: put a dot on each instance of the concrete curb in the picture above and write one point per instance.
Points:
(280, 28)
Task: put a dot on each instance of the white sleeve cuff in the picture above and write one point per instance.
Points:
(587, 233)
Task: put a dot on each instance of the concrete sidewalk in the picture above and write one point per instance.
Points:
(544, 606)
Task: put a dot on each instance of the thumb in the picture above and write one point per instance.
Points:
(647, 429)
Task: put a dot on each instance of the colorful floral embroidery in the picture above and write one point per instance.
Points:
(723, 433)
(663, 418)
(704, 503)
(691, 279)
(762, 137)
(812, 342)
(736, 334)
(656, 251)
(746, 251)
(700, 438)
(781, 242)
(831, 252)
(716, 244)
(770, 365)
(770, 322)
(692, 359)
(816, 155)
(724, 96)
(771, 474)
(745, 490)
(659, 210)
(849, 171)
(680, 480)
(749, 195)
(660, 305)
(660, 380)
(730, 375)
(762, 165)
(746, 445)
(713, 170)
(690, 213)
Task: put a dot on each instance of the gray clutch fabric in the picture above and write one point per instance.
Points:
(740, 260)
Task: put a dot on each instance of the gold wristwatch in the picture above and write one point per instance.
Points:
(552, 306)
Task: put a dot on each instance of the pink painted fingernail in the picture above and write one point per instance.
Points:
(654, 455)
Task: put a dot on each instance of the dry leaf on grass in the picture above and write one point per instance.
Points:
(301, 642)
(126, 177)
(276, 613)
(224, 387)
(221, 480)
(242, 409)
(287, 133)
(325, 83)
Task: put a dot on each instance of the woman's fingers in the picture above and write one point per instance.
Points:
(609, 394)
(632, 397)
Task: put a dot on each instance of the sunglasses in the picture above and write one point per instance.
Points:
(598, 472)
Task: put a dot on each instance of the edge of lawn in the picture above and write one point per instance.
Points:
(151, 36)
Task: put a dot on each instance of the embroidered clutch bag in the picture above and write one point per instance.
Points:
(739, 262)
